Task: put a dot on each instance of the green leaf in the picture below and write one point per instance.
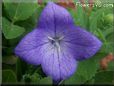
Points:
(46, 81)
(104, 77)
(110, 66)
(10, 30)
(21, 68)
(94, 17)
(31, 22)
(8, 50)
(9, 59)
(99, 33)
(91, 81)
(8, 76)
(110, 37)
(35, 78)
(26, 78)
(20, 11)
(85, 71)
(75, 79)
(108, 47)
(108, 31)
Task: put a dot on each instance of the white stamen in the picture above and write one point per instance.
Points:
(61, 37)
(57, 45)
(51, 38)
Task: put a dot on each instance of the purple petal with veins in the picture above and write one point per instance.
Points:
(57, 44)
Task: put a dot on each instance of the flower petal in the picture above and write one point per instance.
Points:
(81, 43)
(29, 47)
(54, 18)
(58, 64)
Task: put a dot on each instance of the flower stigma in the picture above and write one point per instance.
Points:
(56, 41)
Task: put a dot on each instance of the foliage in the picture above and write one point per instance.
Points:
(20, 18)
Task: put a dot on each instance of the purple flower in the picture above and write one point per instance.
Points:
(57, 44)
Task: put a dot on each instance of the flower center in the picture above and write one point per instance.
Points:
(55, 41)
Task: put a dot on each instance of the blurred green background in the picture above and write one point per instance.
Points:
(19, 18)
